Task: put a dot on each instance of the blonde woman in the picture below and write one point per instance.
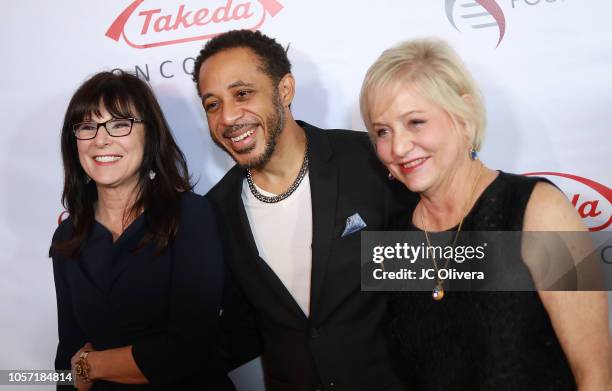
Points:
(427, 121)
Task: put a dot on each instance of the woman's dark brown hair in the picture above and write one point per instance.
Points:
(124, 95)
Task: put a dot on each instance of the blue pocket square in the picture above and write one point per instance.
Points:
(354, 223)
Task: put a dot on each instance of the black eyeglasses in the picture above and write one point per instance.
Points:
(116, 127)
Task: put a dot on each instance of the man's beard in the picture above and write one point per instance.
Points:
(275, 123)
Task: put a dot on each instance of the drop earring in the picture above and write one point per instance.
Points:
(87, 179)
(473, 154)
(390, 176)
(152, 174)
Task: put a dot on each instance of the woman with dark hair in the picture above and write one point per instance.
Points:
(137, 264)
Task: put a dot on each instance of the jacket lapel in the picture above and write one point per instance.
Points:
(247, 248)
(239, 222)
(323, 177)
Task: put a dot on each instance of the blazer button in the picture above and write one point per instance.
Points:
(315, 333)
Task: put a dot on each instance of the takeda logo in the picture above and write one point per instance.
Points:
(592, 200)
(146, 24)
(478, 14)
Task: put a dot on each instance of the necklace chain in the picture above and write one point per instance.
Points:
(285, 194)
(438, 292)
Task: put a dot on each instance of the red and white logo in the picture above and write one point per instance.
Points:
(477, 14)
(143, 25)
(592, 200)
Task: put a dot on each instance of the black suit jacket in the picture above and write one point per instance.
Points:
(166, 306)
(342, 345)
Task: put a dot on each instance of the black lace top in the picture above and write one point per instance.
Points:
(481, 340)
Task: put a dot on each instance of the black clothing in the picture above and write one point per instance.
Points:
(341, 346)
(482, 340)
(166, 306)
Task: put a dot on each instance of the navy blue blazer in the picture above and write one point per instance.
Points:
(166, 306)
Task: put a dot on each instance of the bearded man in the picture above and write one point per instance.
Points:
(290, 212)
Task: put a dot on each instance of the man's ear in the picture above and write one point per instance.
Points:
(286, 89)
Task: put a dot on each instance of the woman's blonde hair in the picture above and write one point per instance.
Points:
(437, 73)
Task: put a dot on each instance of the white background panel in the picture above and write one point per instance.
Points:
(547, 86)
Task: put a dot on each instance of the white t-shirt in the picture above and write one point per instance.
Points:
(283, 234)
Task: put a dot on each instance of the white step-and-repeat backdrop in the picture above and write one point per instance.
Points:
(545, 67)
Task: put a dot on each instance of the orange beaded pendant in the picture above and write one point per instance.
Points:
(438, 293)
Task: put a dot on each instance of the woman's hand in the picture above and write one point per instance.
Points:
(115, 365)
(79, 382)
